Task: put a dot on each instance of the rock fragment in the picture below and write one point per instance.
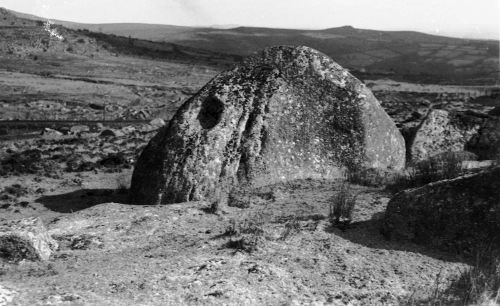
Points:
(25, 239)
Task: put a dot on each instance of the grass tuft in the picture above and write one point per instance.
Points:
(342, 206)
(445, 167)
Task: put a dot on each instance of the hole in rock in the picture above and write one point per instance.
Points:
(211, 112)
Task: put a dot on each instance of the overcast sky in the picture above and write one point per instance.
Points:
(462, 18)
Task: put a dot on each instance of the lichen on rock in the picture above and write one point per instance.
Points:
(284, 113)
(453, 215)
(25, 239)
(442, 131)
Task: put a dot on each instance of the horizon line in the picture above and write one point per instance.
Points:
(235, 26)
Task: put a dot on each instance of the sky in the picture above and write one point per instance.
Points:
(459, 18)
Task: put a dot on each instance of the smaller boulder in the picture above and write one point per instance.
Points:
(114, 160)
(77, 129)
(96, 106)
(25, 239)
(158, 122)
(51, 133)
(442, 131)
(128, 129)
(111, 133)
(453, 215)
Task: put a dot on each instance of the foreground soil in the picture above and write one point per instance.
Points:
(280, 249)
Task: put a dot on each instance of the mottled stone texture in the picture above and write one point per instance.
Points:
(452, 215)
(442, 131)
(25, 239)
(285, 113)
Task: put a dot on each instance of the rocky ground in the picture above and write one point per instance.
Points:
(272, 245)
(279, 249)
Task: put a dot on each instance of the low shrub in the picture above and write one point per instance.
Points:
(371, 177)
(291, 227)
(442, 167)
(122, 184)
(342, 206)
(213, 208)
(478, 285)
(247, 234)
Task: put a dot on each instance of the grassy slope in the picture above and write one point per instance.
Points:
(401, 55)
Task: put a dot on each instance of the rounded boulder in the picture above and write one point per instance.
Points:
(284, 113)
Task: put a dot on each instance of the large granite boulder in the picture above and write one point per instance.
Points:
(442, 131)
(25, 239)
(285, 113)
(453, 215)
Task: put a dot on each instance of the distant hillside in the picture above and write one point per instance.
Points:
(400, 55)
(403, 55)
(24, 36)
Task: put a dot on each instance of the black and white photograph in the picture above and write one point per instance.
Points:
(249, 152)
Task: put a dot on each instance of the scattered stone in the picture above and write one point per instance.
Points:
(285, 113)
(472, 164)
(78, 129)
(453, 215)
(51, 133)
(62, 299)
(158, 122)
(96, 106)
(25, 239)
(128, 129)
(443, 131)
(16, 190)
(111, 133)
(84, 242)
(28, 162)
(79, 163)
(115, 160)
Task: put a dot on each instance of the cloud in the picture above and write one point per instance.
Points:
(196, 10)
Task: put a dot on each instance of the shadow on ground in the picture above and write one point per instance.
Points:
(367, 233)
(82, 199)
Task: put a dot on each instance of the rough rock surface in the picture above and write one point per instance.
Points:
(453, 215)
(6, 295)
(25, 239)
(486, 144)
(285, 113)
(441, 132)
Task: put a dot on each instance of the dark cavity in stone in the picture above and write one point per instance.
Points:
(211, 112)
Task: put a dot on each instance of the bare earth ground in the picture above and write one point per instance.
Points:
(119, 254)
(64, 87)
(281, 250)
